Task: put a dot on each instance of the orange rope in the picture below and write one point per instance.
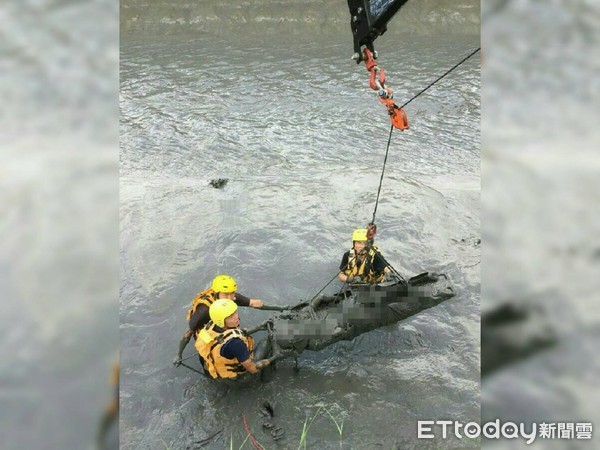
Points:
(256, 445)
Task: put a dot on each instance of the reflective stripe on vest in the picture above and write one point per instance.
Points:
(365, 269)
(209, 345)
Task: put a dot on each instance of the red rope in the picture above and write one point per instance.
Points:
(254, 443)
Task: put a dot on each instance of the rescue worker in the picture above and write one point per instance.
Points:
(363, 262)
(222, 287)
(227, 351)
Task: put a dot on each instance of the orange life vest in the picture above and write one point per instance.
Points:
(209, 344)
(205, 298)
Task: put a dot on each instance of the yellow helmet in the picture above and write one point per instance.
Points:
(220, 310)
(360, 234)
(224, 283)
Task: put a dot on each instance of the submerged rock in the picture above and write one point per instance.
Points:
(219, 183)
(512, 332)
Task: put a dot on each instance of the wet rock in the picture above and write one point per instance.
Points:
(269, 426)
(512, 332)
(218, 183)
(358, 372)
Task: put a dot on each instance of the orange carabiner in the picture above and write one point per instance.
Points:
(397, 115)
(371, 231)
